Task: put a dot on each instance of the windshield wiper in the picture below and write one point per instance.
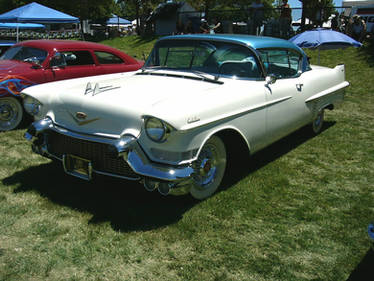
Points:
(204, 77)
(153, 68)
(181, 73)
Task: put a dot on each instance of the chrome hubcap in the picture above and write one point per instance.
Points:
(317, 122)
(205, 169)
(6, 112)
(10, 113)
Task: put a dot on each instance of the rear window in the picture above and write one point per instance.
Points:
(107, 58)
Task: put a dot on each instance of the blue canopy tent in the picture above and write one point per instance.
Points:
(36, 13)
(116, 20)
(15, 25)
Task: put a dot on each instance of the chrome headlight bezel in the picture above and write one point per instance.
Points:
(32, 106)
(156, 129)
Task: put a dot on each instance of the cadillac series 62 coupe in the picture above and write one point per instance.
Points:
(172, 124)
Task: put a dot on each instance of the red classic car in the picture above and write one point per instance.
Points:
(40, 61)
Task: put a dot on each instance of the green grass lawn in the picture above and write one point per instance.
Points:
(298, 210)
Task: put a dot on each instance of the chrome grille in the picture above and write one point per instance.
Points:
(101, 155)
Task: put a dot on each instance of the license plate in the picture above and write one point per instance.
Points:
(77, 166)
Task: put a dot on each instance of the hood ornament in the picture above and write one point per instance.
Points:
(97, 89)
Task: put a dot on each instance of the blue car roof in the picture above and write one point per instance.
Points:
(256, 42)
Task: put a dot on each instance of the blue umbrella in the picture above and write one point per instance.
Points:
(323, 39)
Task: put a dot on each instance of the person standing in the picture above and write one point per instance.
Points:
(285, 18)
(257, 12)
(215, 26)
(204, 27)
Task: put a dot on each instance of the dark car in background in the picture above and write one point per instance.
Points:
(34, 62)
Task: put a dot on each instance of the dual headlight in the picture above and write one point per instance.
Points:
(156, 129)
(32, 106)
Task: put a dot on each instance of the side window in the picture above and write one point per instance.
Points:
(107, 58)
(282, 63)
(73, 58)
(237, 61)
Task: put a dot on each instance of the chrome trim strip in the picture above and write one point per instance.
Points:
(92, 138)
(100, 135)
(115, 175)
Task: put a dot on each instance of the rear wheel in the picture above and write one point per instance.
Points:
(11, 113)
(209, 168)
(317, 123)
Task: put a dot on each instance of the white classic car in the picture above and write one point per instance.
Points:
(173, 124)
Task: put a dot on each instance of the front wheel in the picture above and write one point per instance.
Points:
(317, 123)
(11, 113)
(209, 169)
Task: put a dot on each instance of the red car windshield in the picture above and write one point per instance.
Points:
(26, 54)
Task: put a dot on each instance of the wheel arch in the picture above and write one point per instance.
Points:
(235, 142)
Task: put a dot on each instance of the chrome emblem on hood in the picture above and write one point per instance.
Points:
(82, 115)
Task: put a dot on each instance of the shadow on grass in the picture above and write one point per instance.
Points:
(365, 269)
(140, 40)
(367, 51)
(247, 165)
(125, 204)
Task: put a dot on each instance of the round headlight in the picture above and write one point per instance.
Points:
(155, 129)
(31, 105)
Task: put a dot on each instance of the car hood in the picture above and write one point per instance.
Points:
(13, 67)
(121, 101)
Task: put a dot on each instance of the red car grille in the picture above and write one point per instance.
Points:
(101, 155)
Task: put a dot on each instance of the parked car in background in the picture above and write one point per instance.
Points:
(174, 124)
(34, 62)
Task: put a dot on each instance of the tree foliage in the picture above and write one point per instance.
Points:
(318, 10)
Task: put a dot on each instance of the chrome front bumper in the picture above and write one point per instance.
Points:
(168, 179)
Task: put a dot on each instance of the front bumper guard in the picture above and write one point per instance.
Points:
(176, 179)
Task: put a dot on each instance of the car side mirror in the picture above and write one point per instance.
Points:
(58, 60)
(270, 79)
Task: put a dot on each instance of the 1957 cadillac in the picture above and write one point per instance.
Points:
(173, 124)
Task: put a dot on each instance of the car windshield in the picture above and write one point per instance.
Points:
(216, 58)
(26, 54)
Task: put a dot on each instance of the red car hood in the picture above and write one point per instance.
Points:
(12, 67)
